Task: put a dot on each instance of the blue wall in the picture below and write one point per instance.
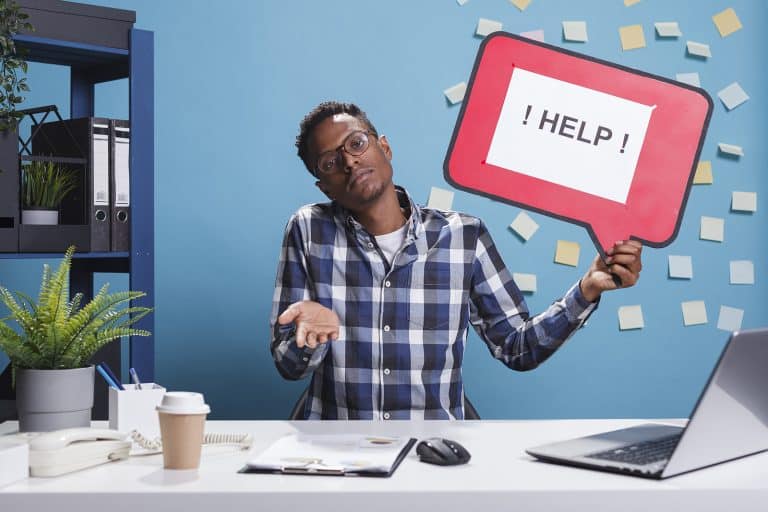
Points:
(233, 80)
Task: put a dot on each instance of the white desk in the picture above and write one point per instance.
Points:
(500, 476)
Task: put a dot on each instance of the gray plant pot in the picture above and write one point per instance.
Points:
(54, 399)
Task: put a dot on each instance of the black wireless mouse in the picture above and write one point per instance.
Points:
(442, 452)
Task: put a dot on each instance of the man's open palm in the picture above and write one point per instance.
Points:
(315, 324)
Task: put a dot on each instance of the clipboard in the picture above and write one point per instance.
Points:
(332, 455)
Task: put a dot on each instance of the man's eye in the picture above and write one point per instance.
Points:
(328, 164)
(356, 144)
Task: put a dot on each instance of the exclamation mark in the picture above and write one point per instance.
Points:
(527, 113)
(624, 144)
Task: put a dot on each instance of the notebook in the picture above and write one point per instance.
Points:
(332, 454)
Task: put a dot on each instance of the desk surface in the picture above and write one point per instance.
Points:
(499, 476)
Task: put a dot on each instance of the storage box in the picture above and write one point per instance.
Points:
(14, 457)
(134, 409)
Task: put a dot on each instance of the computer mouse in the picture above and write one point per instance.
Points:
(442, 452)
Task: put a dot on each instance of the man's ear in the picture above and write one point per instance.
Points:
(324, 189)
(384, 143)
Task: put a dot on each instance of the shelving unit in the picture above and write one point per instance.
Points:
(99, 44)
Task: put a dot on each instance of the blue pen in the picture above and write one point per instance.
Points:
(106, 376)
(135, 377)
(112, 375)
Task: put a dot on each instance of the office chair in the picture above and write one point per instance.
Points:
(470, 413)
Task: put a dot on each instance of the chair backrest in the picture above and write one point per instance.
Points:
(297, 413)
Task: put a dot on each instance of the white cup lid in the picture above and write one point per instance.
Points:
(183, 402)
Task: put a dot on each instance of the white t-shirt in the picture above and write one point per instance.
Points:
(392, 242)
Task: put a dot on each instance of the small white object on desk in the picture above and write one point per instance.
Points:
(134, 409)
(486, 27)
(14, 460)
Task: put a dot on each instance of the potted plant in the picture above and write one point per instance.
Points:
(51, 352)
(44, 185)
(12, 21)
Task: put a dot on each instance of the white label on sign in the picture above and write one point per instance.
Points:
(570, 135)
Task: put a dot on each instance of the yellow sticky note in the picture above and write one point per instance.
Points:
(632, 37)
(727, 22)
(567, 253)
(520, 4)
(703, 174)
(627, 3)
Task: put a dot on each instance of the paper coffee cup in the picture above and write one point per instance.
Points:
(182, 425)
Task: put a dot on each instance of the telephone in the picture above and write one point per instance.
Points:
(63, 451)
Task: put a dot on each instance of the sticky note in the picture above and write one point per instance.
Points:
(631, 317)
(694, 312)
(680, 267)
(627, 3)
(461, 2)
(742, 272)
(567, 253)
(727, 22)
(689, 78)
(524, 226)
(536, 35)
(732, 96)
(455, 93)
(703, 174)
(667, 29)
(526, 282)
(632, 37)
(575, 31)
(730, 149)
(698, 49)
(520, 4)
(440, 199)
(743, 201)
(712, 228)
(485, 27)
(730, 318)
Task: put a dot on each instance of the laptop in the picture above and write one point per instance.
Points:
(729, 421)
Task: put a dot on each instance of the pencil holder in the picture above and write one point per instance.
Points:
(135, 409)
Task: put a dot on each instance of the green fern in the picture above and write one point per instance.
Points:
(55, 332)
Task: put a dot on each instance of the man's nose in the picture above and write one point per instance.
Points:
(350, 161)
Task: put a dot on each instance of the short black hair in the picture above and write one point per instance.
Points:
(316, 116)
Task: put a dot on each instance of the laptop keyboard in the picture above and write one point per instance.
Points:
(641, 454)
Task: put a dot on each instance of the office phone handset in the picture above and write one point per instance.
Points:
(63, 451)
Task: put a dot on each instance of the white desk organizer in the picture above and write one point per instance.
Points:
(135, 409)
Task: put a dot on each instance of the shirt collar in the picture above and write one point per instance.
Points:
(406, 202)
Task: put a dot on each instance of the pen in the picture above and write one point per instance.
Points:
(135, 377)
(109, 371)
(106, 376)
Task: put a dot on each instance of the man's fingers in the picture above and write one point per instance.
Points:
(311, 339)
(628, 278)
(322, 338)
(301, 336)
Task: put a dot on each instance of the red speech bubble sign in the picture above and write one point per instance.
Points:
(584, 140)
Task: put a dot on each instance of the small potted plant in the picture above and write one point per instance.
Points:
(51, 351)
(44, 185)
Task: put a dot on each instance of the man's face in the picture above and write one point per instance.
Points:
(359, 180)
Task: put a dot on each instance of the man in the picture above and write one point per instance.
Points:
(374, 294)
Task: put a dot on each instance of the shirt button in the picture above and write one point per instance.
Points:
(386, 415)
(387, 284)
(386, 328)
(305, 359)
(386, 371)
(370, 245)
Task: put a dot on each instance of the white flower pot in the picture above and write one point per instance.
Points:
(40, 217)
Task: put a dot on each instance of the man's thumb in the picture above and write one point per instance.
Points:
(290, 314)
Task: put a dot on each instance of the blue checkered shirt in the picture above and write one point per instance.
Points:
(404, 325)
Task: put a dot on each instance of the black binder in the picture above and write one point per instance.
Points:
(89, 139)
(120, 182)
(9, 191)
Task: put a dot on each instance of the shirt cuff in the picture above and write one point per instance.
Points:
(577, 306)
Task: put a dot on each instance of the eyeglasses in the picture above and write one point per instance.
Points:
(355, 144)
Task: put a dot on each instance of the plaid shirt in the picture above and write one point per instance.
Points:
(404, 326)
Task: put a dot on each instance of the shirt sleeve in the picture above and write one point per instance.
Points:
(292, 285)
(500, 316)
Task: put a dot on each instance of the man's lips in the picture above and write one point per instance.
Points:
(358, 177)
